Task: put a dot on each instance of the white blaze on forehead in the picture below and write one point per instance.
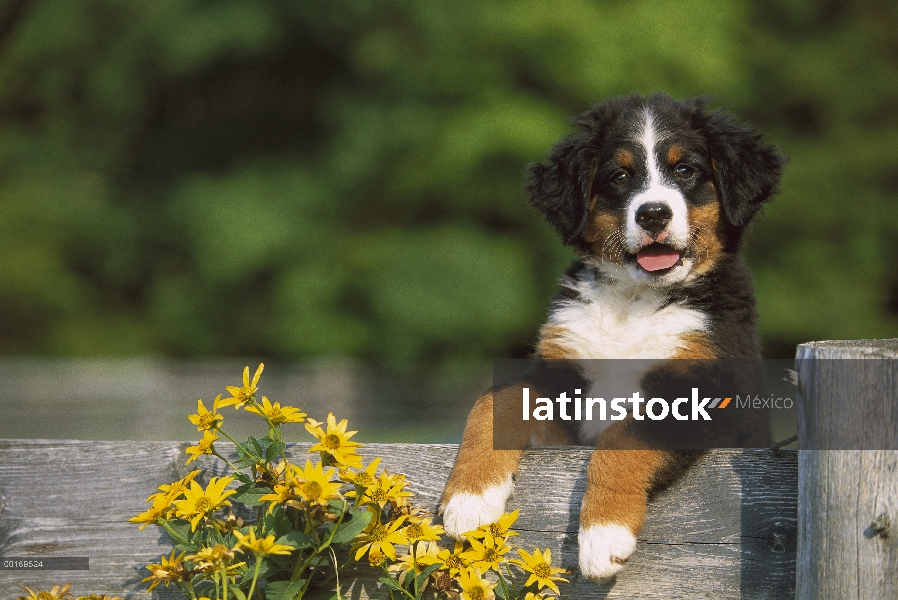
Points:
(656, 191)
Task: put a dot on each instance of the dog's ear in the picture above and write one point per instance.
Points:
(560, 188)
(746, 169)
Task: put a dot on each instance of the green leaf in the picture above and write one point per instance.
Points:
(187, 547)
(243, 477)
(501, 592)
(389, 582)
(238, 593)
(420, 579)
(250, 493)
(274, 450)
(408, 579)
(246, 456)
(277, 522)
(348, 531)
(255, 443)
(297, 540)
(180, 535)
(283, 590)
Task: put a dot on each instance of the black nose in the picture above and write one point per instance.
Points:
(653, 217)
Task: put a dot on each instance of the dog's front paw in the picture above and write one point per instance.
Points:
(604, 549)
(466, 511)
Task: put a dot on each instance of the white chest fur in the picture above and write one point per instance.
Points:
(616, 321)
(611, 321)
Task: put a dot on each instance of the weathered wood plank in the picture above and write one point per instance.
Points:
(849, 404)
(726, 530)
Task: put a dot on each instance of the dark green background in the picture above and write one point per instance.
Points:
(342, 178)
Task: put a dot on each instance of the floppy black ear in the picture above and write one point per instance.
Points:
(560, 188)
(747, 170)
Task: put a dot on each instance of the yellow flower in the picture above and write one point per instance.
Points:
(205, 420)
(425, 555)
(261, 547)
(161, 506)
(474, 587)
(363, 478)
(204, 446)
(241, 395)
(335, 441)
(216, 555)
(386, 490)
(381, 538)
(422, 531)
(98, 597)
(167, 571)
(539, 565)
(198, 503)
(282, 494)
(229, 523)
(486, 555)
(532, 596)
(176, 489)
(499, 529)
(376, 558)
(277, 413)
(314, 485)
(210, 560)
(452, 560)
(57, 593)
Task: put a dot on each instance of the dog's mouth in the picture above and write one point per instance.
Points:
(658, 259)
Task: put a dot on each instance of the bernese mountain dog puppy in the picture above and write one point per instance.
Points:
(654, 195)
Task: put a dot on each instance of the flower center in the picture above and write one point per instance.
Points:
(203, 505)
(495, 530)
(379, 533)
(453, 561)
(476, 592)
(311, 489)
(379, 495)
(206, 446)
(542, 570)
(331, 441)
(414, 531)
(490, 555)
(275, 413)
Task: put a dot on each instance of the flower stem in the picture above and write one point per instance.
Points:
(224, 581)
(252, 586)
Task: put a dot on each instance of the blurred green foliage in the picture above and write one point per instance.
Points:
(316, 178)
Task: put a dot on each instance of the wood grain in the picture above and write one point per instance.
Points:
(848, 470)
(726, 530)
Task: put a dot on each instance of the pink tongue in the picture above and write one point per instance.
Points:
(657, 257)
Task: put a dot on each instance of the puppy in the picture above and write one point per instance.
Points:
(654, 195)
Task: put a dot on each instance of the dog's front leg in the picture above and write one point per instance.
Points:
(622, 472)
(481, 480)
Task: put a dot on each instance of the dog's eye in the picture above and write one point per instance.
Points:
(684, 171)
(620, 178)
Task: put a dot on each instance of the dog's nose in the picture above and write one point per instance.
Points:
(653, 217)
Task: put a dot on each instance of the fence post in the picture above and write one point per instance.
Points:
(847, 497)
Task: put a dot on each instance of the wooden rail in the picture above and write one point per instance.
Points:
(726, 530)
(740, 524)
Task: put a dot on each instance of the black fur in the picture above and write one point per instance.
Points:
(746, 170)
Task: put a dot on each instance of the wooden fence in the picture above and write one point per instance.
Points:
(728, 529)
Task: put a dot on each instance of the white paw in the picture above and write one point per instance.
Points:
(604, 549)
(465, 512)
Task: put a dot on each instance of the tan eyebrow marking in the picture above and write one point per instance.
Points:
(674, 154)
(624, 158)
